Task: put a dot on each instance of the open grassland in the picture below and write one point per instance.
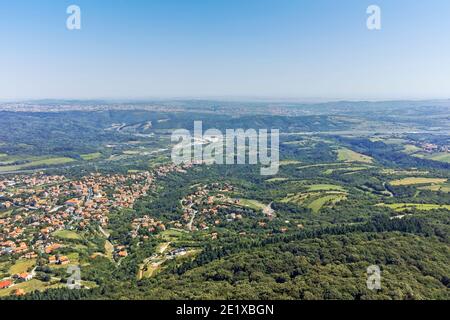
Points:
(131, 152)
(348, 155)
(277, 180)
(319, 165)
(418, 206)
(416, 181)
(319, 198)
(297, 198)
(252, 204)
(391, 172)
(37, 163)
(74, 258)
(67, 235)
(346, 170)
(91, 156)
(148, 270)
(173, 235)
(31, 286)
(389, 140)
(410, 149)
(5, 214)
(442, 157)
(325, 187)
(317, 204)
(445, 187)
(289, 162)
(109, 250)
(22, 266)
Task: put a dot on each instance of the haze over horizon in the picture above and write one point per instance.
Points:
(274, 50)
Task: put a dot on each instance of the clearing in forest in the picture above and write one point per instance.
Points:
(348, 155)
(416, 180)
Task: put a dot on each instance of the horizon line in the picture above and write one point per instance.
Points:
(225, 99)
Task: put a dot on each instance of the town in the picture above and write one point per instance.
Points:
(39, 211)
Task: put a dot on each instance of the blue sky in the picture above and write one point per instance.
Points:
(282, 49)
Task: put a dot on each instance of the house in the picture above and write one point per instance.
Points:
(19, 292)
(63, 260)
(5, 284)
(24, 276)
(30, 255)
(178, 252)
(123, 254)
(72, 203)
(49, 249)
(21, 248)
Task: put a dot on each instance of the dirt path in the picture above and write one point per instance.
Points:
(268, 211)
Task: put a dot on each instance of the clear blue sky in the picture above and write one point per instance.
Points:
(225, 48)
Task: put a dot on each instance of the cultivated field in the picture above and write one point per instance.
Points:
(416, 181)
(348, 155)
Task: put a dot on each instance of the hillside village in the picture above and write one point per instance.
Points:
(36, 209)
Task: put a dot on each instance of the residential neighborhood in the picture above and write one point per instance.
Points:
(39, 212)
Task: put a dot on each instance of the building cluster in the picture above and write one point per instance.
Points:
(433, 148)
(147, 225)
(34, 208)
(204, 206)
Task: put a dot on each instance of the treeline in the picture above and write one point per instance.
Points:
(390, 155)
(379, 223)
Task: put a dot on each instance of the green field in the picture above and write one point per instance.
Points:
(289, 162)
(109, 249)
(325, 187)
(320, 165)
(418, 206)
(22, 266)
(389, 140)
(5, 214)
(277, 180)
(252, 204)
(132, 152)
(37, 163)
(442, 157)
(148, 270)
(67, 235)
(91, 156)
(317, 200)
(317, 204)
(410, 149)
(445, 187)
(30, 286)
(348, 155)
(74, 258)
(415, 181)
(404, 172)
(171, 235)
(347, 170)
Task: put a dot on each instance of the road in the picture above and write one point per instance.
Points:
(189, 225)
(268, 211)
